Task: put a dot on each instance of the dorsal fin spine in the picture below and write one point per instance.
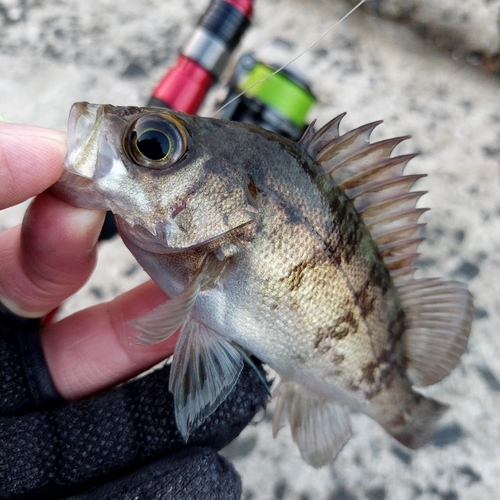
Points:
(392, 204)
(379, 151)
(375, 184)
(386, 168)
(332, 149)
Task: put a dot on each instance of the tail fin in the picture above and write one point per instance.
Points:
(419, 427)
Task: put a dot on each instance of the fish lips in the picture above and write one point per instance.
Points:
(89, 152)
(83, 129)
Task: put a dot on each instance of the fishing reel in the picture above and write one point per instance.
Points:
(274, 99)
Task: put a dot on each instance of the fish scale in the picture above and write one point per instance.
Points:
(301, 254)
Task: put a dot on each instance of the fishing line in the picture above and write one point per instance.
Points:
(253, 366)
(342, 19)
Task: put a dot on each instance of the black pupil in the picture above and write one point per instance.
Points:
(153, 144)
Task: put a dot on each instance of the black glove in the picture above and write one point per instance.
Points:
(122, 443)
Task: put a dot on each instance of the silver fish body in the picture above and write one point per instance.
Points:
(300, 254)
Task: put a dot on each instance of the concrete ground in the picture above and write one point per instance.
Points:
(54, 53)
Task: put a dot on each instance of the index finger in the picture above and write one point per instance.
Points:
(30, 161)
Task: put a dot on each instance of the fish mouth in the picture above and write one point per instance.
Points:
(163, 237)
(84, 125)
(156, 238)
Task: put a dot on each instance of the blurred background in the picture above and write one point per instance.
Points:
(428, 69)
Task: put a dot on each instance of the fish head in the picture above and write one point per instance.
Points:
(158, 171)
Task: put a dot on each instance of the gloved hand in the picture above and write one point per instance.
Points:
(122, 443)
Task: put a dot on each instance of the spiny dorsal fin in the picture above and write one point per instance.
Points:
(438, 313)
(375, 183)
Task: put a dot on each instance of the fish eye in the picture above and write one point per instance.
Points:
(153, 144)
(155, 141)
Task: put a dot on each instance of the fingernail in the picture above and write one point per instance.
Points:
(87, 223)
(19, 311)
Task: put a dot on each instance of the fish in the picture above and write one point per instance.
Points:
(301, 254)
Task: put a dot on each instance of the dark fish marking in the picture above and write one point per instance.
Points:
(322, 334)
(350, 320)
(379, 275)
(126, 111)
(366, 300)
(380, 373)
(351, 233)
(347, 229)
(296, 275)
(398, 421)
(253, 190)
(396, 327)
(338, 359)
(345, 325)
(368, 372)
(321, 346)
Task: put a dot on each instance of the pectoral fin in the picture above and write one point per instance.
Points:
(205, 368)
(319, 427)
(163, 321)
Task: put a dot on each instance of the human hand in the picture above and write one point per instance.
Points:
(50, 257)
(49, 448)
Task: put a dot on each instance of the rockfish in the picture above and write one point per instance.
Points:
(301, 254)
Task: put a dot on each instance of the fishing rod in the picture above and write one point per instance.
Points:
(204, 56)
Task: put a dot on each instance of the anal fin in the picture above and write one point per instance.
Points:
(319, 427)
(438, 316)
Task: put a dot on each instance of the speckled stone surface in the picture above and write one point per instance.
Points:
(468, 27)
(53, 53)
